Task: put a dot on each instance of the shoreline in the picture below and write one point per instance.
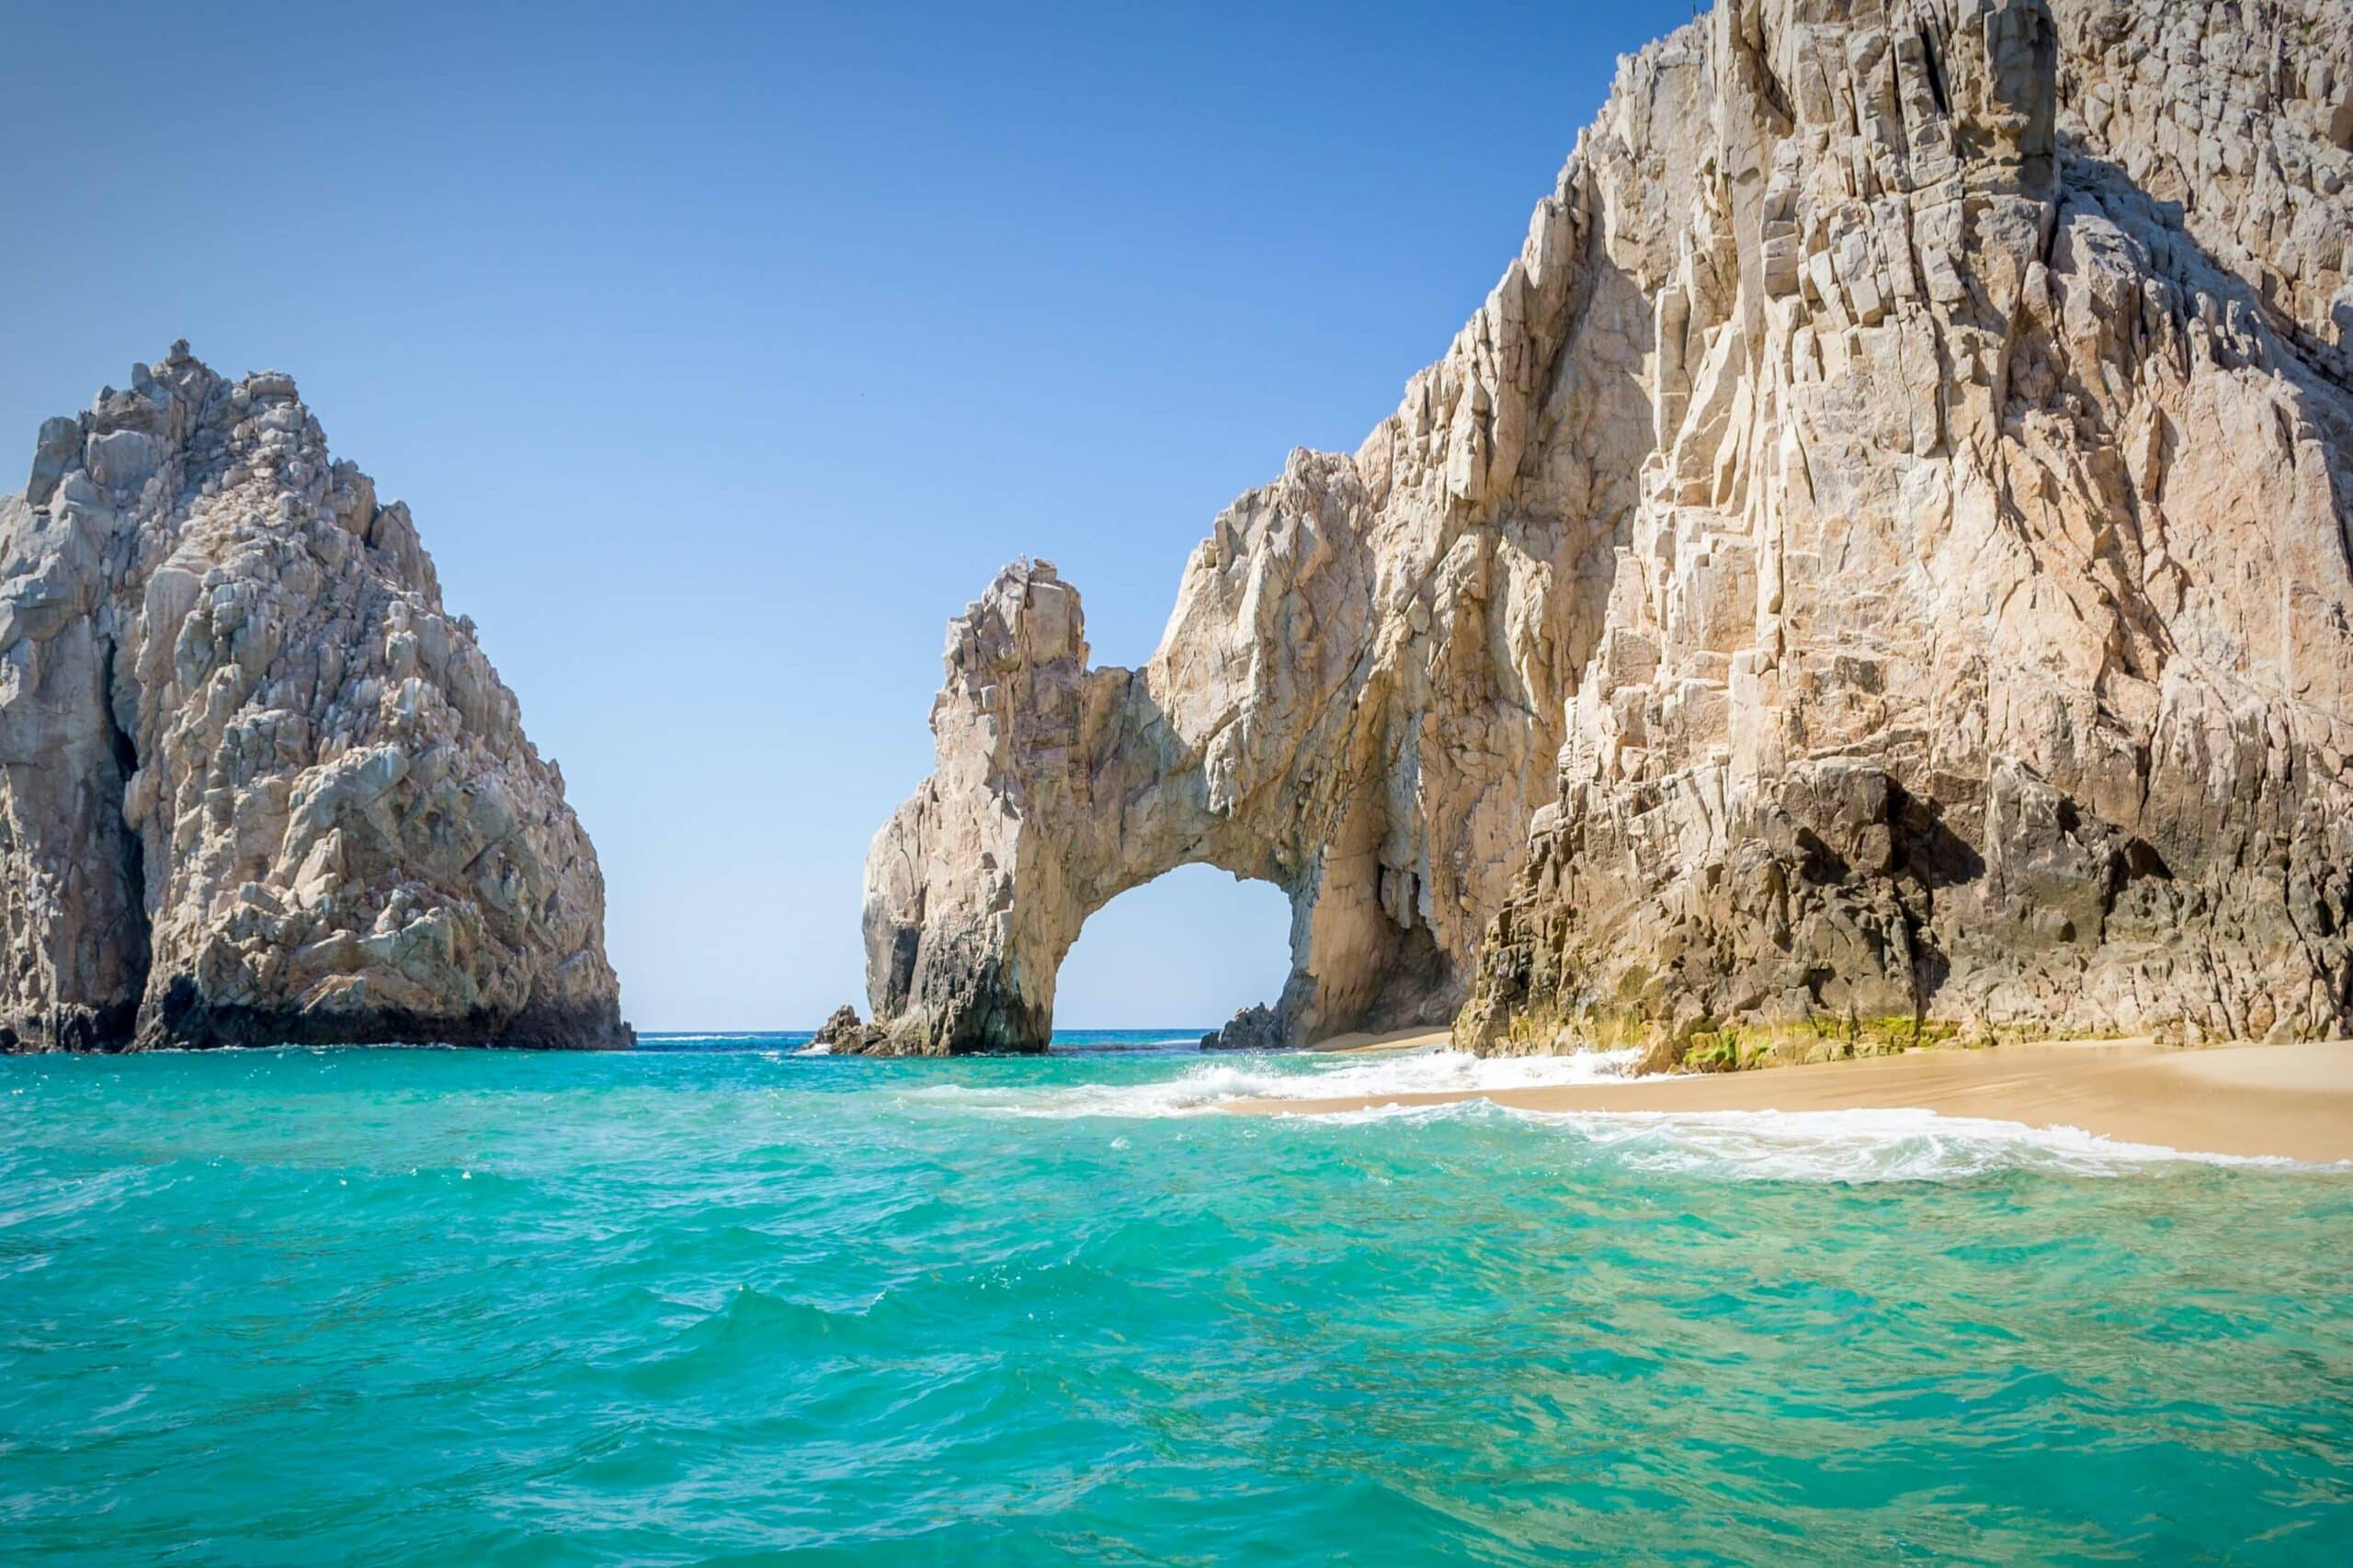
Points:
(1362, 1044)
(2292, 1101)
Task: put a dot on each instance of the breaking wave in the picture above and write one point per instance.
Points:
(1857, 1145)
(1208, 1086)
(1843, 1145)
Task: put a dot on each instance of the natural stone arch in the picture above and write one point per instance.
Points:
(1377, 767)
(1060, 789)
(1358, 697)
(1893, 524)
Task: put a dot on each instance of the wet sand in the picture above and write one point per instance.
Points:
(1395, 1039)
(2290, 1100)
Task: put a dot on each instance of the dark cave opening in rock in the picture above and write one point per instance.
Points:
(138, 923)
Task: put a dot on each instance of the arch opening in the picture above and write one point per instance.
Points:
(1183, 953)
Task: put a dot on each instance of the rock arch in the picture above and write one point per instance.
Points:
(1358, 696)
(1892, 518)
(1060, 788)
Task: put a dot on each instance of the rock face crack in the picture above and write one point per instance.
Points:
(137, 930)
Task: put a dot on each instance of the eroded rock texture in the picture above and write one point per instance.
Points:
(256, 785)
(1877, 562)
(1977, 654)
(1255, 1028)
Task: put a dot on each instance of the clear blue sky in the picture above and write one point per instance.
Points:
(723, 353)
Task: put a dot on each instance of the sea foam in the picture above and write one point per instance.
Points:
(1843, 1145)
(1858, 1145)
(1211, 1084)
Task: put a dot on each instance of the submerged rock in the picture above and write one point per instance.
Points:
(256, 786)
(1257, 1028)
(1875, 567)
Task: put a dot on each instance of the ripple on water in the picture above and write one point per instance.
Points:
(702, 1302)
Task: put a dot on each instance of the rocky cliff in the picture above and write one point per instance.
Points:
(1978, 655)
(256, 785)
(1876, 564)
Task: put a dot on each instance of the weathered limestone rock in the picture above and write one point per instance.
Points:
(1876, 565)
(256, 785)
(1980, 655)
(1357, 698)
(1257, 1028)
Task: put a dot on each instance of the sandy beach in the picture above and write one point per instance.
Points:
(2292, 1100)
(1395, 1039)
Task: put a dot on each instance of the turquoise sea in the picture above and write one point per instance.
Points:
(715, 1302)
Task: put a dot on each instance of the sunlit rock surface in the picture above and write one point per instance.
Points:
(256, 785)
(1876, 566)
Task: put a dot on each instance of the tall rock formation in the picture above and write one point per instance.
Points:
(1979, 656)
(1877, 562)
(256, 785)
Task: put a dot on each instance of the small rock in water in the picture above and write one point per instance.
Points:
(845, 1035)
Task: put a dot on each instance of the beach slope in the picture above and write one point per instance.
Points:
(2294, 1101)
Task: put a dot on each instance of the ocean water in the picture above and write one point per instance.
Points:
(718, 1301)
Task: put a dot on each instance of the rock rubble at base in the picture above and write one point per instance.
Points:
(1875, 568)
(845, 1034)
(1256, 1027)
(256, 785)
